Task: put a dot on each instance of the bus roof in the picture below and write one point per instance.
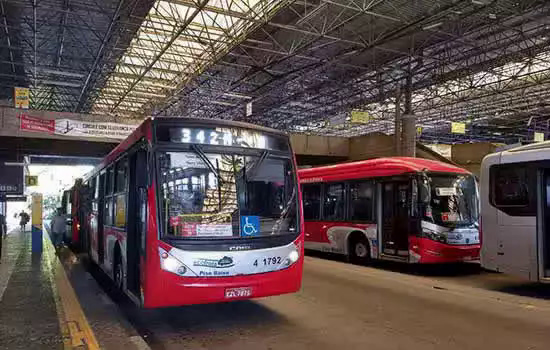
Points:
(376, 168)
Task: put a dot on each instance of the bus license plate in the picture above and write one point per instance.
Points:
(241, 292)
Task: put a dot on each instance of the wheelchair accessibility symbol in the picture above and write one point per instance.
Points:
(250, 226)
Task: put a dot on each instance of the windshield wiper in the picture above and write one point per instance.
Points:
(199, 152)
(254, 169)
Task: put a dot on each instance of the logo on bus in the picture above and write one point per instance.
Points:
(224, 262)
(240, 247)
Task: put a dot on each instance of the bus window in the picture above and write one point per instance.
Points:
(361, 199)
(109, 186)
(311, 197)
(121, 175)
(334, 202)
(108, 211)
(510, 186)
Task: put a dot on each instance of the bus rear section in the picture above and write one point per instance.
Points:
(515, 210)
(402, 209)
(192, 211)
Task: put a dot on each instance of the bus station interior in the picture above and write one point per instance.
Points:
(460, 85)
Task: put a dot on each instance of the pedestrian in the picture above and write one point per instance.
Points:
(23, 220)
(58, 228)
(3, 232)
(3, 226)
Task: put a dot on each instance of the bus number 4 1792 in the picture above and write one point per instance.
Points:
(268, 261)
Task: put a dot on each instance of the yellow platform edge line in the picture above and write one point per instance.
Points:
(75, 328)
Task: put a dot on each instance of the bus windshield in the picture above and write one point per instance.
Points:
(221, 196)
(453, 201)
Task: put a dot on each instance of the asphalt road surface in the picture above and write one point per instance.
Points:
(342, 306)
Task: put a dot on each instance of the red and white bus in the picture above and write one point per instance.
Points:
(188, 211)
(402, 209)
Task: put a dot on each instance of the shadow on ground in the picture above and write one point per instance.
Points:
(186, 321)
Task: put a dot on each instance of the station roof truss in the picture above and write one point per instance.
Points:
(302, 66)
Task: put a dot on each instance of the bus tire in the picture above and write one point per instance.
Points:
(359, 249)
(118, 272)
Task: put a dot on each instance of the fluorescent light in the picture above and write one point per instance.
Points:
(223, 103)
(232, 94)
(58, 72)
(60, 83)
(432, 26)
(14, 164)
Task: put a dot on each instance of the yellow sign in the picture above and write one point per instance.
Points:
(22, 97)
(360, 117)
(418, 131)
(31, 180)
(36, 210)
(539, 136)
(458, 128)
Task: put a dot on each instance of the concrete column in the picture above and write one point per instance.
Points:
(408, 135)
(397, 124)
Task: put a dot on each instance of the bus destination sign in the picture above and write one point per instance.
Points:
(230, 137)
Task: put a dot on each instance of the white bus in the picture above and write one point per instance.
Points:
(515, 211)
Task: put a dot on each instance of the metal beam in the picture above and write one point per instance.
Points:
(98, 55)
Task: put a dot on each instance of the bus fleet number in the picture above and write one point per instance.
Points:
(268, 261)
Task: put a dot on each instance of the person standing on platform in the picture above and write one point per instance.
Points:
(23, 220)
(3, 232)
(58, 228)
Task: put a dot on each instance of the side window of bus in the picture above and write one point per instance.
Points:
(513, 189)
(361, 200)
(311, 197)
(109, 187)
(334, 203)
(120, 190)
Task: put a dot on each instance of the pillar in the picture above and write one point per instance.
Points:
(408, 135)
(397, 124)
(408, 122)
(36, 223)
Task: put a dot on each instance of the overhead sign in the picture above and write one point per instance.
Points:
(11, 178)
(360, 117)
(458, 128)
(539, 136)
(76, 128)
(80, 128)
(31, 180)
(21, 97)
(418, 131)
(28, 123)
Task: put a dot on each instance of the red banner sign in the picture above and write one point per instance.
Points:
(29, 123)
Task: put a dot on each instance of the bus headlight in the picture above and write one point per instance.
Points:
(293, 256)
(171, 264)
(435, 236)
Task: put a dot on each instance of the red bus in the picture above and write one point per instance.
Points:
(187, 211)
(402, 209)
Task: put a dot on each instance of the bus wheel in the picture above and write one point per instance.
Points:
(359, 250)
(117, 272)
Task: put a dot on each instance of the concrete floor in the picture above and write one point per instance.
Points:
(342, 306)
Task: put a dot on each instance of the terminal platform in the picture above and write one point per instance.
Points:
(49, 301)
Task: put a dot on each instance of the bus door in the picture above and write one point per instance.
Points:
(544, 234)
(137, 209)
(395, 218)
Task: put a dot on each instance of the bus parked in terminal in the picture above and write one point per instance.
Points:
(188, 211)
(515, 211)
(403, 209)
